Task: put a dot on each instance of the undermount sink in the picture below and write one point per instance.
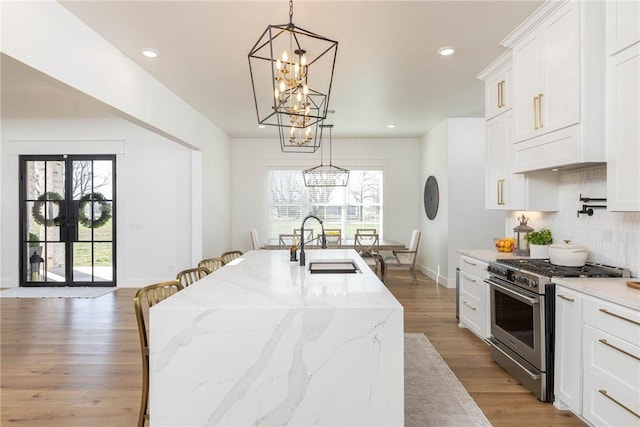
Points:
(340, 266)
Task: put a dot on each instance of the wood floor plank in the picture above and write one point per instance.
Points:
(76, 362)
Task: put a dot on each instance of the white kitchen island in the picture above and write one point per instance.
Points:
(264, 342)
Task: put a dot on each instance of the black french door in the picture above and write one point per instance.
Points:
(67, 220)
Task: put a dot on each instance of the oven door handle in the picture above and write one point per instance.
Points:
(533, 376)
(515, 294)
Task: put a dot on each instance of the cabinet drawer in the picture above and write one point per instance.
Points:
(608, 404)
(473, 266)
(608, 357)
(621, 322)
(473, 285)
(473, 314)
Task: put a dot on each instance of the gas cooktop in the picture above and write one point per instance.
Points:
(544, 268)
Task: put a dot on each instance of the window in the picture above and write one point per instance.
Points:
(359, 205)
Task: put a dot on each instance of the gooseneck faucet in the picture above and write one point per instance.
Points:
(324, 237)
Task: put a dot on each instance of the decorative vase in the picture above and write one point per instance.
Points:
(539, 251)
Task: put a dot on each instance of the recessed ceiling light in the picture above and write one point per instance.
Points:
(391, 125)
(150, 53)
(446, 51)
(261, 126)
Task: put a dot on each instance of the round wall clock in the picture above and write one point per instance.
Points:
(431, 197)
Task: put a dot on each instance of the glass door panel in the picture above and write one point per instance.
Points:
(67, 240)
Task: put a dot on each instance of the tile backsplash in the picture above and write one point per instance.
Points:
(613, 238)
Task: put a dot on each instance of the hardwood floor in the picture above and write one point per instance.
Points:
(76, 362)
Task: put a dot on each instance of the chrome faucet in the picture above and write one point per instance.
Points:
(324, 237)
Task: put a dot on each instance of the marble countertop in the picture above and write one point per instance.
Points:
(488, 255)
(261, 341)
(609, 289)
(266, 279)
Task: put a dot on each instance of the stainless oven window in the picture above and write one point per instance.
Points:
(515, 317)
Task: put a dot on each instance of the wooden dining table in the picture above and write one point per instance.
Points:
(385, 245)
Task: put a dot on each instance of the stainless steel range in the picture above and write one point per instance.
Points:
(523, 317)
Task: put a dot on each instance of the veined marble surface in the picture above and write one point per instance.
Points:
(263, 342)
(606, 288)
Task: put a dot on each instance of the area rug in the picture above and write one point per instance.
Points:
(433, 396)
(56, 292)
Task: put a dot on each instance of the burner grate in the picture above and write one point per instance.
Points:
(543, 267)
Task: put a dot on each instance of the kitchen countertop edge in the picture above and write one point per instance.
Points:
(488, 255)
(614, 290)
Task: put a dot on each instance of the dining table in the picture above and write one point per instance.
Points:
(385, 245)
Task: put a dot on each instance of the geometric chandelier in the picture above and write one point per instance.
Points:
(326, 175)
(291, 75)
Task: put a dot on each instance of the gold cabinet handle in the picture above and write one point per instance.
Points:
(469, 278)
(565, 298)
(470, 306)
(501, 94)
(605, 311)
(605, 342)
(540, 125)
(604, 393)
(501, 191)
(535, 113)
(470, 263)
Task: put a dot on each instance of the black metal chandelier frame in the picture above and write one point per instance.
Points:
(326, 175)
(297, 99)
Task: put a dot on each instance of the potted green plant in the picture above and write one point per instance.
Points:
(539, 242)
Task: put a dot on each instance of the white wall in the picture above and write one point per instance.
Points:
(154, 213)
(613, 238)
(46, 37)
(399, 159)
(454, 152)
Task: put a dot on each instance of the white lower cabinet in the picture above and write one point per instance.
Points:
(568, 345)
(474, 296)
(597, 359)
(611, 363)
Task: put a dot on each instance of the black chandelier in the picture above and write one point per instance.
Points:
(326, 175)
(291, 75)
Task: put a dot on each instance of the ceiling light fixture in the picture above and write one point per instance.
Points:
(150, 53)
(391, 125)
(446, 51)
(291, 75)
(326, 176)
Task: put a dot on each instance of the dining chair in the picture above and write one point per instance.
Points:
(255, 241)
(334, 237)
(285, 241)
(144, 299)
(404, 259)
(308, 238)
(366, 231)
(212, 264)
(368, 247)
(230, 256)
(190, 276)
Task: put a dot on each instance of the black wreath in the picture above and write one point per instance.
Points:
(38, 209)
(105, 210)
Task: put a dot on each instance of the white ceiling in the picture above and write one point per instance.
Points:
(387, 69)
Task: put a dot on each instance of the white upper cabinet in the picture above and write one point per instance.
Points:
(504, 189)
(547, 75)
(497, 86)
(623, 24)
(558, 86)
(623, 106)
